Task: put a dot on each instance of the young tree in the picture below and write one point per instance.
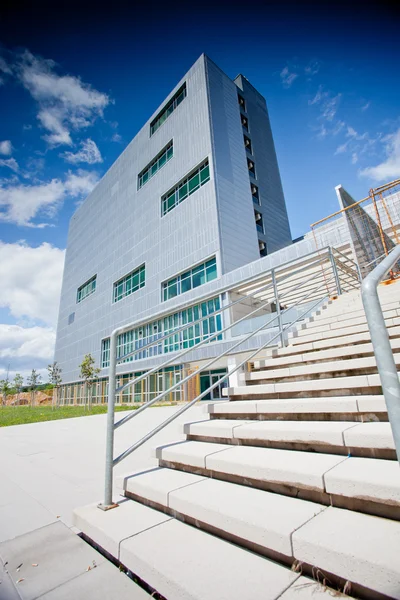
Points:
(18, 383)
(5, 389)
(33, 381)
(55, 379)
(88, 373)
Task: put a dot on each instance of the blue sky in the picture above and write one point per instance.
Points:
(75, 88)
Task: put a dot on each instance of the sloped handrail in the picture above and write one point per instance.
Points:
(381, 343)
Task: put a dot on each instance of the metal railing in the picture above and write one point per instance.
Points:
(381, 343)
(318, 288)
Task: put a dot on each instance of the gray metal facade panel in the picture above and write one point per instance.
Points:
(235, 205)
(119, 227)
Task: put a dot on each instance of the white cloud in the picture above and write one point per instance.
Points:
(329, 107)
(11, 163)
(4, 68)
(65, 102)
(24, 349)
(116, 138)
(21, 204)
(366, 106)
(342, 148)
(312, 68)
(287, 78)
(31, 281)
(89, 153)
(389, 168)
(6, 148)
(354, 158)
(31, 291)
(320, 95)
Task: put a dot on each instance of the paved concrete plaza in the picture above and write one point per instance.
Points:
(48, 469)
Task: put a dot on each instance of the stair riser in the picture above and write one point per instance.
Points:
(335, 582)
(320, 357)
(322, 374)
(341, 319)
(326, 344)
(317, 416)
(384, 453)
(324, 392)
(319, 327)
(305, 336)
(365, 506)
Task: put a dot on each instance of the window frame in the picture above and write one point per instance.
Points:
(168, 108)
(168, 205)
(122, 281)
(92, 280)
(207, 269)
(148, 170)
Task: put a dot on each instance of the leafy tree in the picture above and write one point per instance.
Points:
(5, 390)
(18, 383)
(55, 379)
(88, 373)
(33, 381)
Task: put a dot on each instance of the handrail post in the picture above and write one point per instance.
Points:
(108, 479)
(278, 308)
(381, 343)
(335, 272)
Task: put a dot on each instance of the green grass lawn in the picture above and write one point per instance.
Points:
(17, 415)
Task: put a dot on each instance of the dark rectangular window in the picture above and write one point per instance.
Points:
(185, 188)
(190, 279)
(251, 167)
(86, 289)
(247, 144)
(242, 102)
(254, 193)
(159, 161)
(168, 109)
(259, 221)
(262, 247)
(245, 122)
(130, 283)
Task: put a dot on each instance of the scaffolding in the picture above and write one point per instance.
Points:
(369, 229)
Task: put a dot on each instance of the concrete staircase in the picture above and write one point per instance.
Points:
(290, 490)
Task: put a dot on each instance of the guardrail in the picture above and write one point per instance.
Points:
(381, 344)
(332, 275)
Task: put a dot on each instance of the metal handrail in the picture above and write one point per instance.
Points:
(381, 343)
(120, 359)
(205, 392)
(207, 340)
(110, 461)
(206, 366)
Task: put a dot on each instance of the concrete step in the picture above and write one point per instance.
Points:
(336, 353)
(333, 323)
(304, 336)
(351, 408)
(350, 339)
(309, 388)
(334, 437)
(366, 484)
(349, 366)
(357, 548)
(179, 561)
(391, 309)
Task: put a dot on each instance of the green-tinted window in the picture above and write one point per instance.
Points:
(159, 161)
(130, 283)
(194, 183)
(185, 188)
(168, 109)
(86, 289)
(190, 279)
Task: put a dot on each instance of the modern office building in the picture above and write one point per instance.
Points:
(194, 197)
